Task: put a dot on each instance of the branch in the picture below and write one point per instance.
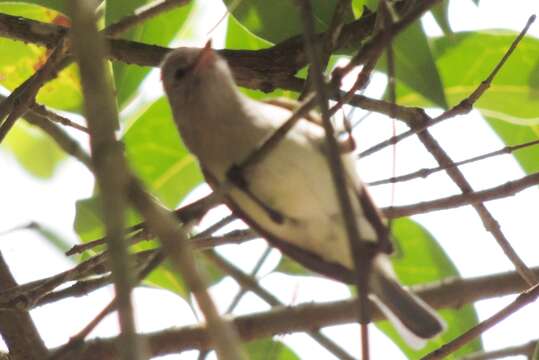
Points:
(423, 173)
(471, 198)
(464, 107)
(489, 222)
(17, 328)
(18, 102)
(173, 238)
(360, 253)
(522, 300)
(249, 283)
(110, 167)
(525, 349)
(449, 293)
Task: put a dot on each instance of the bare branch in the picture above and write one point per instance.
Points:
(249, 283)
(359, 249)
(471, 198)
(17, 328)
(178, 249)
(109, 165)
(449, 293)
(522, 300)
(463, 107)
(18, 102)
(423, 173)
(526, 349)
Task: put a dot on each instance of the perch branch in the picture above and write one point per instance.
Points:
(449, 293)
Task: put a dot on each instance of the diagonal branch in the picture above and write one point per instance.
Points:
(464, 107)
(469, 198)
(17, 328)
(490, 223)
(522, 300)
(18, 102)
(423, 173)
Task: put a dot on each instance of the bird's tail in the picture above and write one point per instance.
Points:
(415, 321)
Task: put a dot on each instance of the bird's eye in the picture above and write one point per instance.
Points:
(180, 73)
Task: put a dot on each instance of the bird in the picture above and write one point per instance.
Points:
(288, 195)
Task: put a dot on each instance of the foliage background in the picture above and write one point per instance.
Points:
(438, 72)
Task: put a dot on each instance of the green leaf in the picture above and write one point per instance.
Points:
(164, 277)
(53, 237)
(512, 134)
(159, 30)
(420, 259)
(269, 349)
(89, 223)
(440, 13)
(157, 155)
(34, 150)
(415, 66)
(58, 5)
(291, 267)
(510, 104)
(19, 61)
(238, 37)
(265, 18)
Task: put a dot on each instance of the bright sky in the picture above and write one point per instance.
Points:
(460, 232)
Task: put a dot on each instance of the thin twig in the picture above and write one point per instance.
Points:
(73, 347)
(86, 286)
(179, 251)
(425, 172)
(522, 300)
(525, 349)
(249, 283)
(25, 296)
(461, 108)
(489, 222)
(41, 110)
(470, 198)
(16, 327)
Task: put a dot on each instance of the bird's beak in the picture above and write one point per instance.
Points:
(205, 58)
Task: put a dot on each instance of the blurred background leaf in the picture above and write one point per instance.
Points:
(269, 349)
(63, 92)
(34, 150)
(419, 259)
(159, 30)
(265, 18)
(58, 5)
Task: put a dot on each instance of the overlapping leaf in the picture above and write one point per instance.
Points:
(159, 30)
(510, 104)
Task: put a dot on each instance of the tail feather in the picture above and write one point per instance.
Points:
(411, 312)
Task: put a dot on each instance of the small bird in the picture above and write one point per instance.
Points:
(288, 196)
